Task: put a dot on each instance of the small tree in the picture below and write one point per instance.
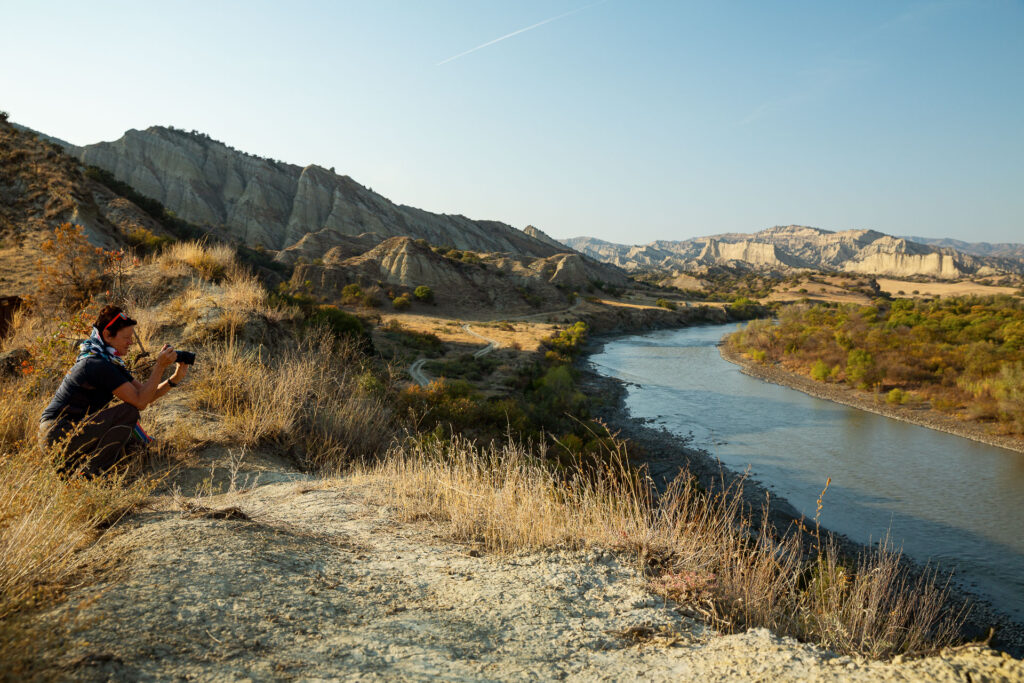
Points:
(424, 294)
(71, 270)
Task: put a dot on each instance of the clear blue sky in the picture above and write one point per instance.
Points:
(625, 120)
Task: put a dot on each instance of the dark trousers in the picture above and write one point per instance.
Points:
(99, 441)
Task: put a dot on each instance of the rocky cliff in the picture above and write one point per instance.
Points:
(791, 247)
(274, 204)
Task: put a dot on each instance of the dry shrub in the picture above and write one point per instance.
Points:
(701, 545)
(309, 397)
(243, 292)
(213, 262)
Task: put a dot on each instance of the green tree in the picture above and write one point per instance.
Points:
(860, 367)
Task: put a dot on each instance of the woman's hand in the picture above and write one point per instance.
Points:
(166, 356)
(180, 370)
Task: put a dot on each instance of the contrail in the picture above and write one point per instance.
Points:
(516, 33)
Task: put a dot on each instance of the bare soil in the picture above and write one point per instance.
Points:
(910, 289)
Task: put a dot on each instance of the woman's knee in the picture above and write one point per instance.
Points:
(125, 413)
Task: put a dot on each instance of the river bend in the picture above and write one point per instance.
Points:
(944, 498)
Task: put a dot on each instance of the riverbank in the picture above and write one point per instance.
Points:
(665, 453)
(874, 403)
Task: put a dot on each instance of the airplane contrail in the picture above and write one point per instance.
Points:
(516, 33)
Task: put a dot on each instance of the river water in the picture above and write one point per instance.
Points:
(942, 497)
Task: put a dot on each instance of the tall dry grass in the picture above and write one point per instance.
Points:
(212, 261)
(311, 397)
(700, 545)
(45, 524)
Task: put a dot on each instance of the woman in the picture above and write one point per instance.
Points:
(101, 435)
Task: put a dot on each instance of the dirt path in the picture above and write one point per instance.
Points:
(305, 578)
(491, 343)
(417, 373)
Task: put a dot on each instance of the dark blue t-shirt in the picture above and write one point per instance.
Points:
(88, 387)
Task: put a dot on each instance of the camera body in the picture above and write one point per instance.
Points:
(185, 357)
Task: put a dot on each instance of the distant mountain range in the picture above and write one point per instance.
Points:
(795, 247)
(300, 214)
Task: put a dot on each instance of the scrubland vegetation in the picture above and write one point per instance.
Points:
(526, 471)
(963, 356)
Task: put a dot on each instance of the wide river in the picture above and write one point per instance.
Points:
(942, 497)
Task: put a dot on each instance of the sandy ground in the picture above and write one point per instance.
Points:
(303, 578)
(924, 289)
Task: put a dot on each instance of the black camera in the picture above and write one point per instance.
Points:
(185, 357)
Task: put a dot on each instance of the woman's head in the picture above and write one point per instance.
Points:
(115, 328)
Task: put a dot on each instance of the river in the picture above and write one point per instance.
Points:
(944, 498)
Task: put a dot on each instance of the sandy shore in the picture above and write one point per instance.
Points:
(871, 402)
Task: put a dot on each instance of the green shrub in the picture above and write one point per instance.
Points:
(666, 304)
(860, 367)
(745, 309)
(146, 241)
(896, 397)
(400, 303)
(351, 294)
(424, 294)
(820, 371)
(342, 325)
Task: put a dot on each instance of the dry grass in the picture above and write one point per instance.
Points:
(310, 397)
(213, 262)
(700, 545)
(45, 523)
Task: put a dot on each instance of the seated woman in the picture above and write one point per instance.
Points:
(101, 435)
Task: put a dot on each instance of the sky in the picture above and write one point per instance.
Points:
(625, 120)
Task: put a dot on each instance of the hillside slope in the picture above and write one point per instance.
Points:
(274, 204)
(40, 188)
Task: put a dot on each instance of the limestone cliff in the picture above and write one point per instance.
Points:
(748, 252)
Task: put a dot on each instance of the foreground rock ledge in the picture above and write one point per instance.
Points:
(305, 578)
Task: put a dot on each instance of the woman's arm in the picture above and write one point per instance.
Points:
(141, 395)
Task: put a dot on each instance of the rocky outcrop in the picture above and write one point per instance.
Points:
(502, 281)
(796, 247)
(539, 234)
(268, 203)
